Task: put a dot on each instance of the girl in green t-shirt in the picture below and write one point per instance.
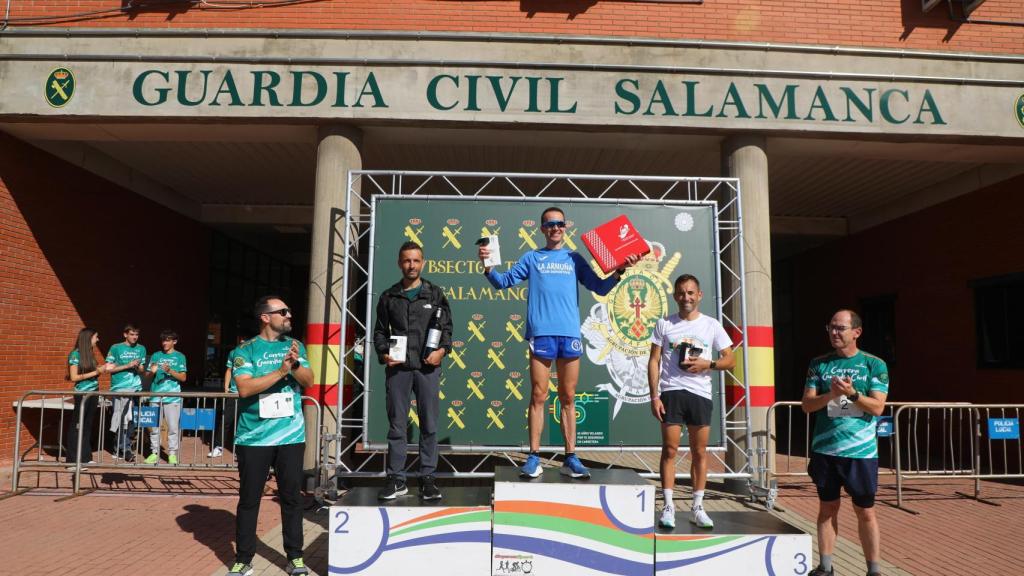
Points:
(85, 364)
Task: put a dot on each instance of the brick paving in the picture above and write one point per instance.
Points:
(182, 522)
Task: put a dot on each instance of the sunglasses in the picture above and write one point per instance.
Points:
(554, 224)
(283, 312)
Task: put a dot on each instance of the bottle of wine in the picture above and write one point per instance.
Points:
(433, 341)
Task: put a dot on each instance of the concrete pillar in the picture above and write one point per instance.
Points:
(745, 157)
(338, 152)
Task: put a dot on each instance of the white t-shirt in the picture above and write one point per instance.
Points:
(704, 332)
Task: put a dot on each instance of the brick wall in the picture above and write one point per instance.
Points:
(874, 23)
(76, 250)
(927, 261)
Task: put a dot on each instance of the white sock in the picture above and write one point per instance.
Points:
(667, 493)
(698, 498)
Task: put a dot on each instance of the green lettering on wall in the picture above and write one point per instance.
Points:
(500, 95)
(258, 87)
(884, 106)
(928, 105)
(660, 96)
(227, 86)
(820, 102)
(867, 109)
(733, 99)
(691, 100)
(321, 88)
(183, 85)
(370, 88)
(555, 105)
(624, 94)
(534, 85)
(340, 80)
(788, 99)
(432, 91)
(161, 93)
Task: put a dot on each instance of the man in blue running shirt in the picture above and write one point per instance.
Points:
(553, 329)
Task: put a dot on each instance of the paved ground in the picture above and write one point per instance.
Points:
(158, 522)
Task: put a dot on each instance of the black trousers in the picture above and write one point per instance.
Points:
(253, 466)
(226, 429)
(401, 385)
(82, 453)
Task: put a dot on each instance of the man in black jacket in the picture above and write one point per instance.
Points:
(405, 309)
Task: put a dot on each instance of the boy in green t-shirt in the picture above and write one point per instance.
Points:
(168, 370)
(127, 359)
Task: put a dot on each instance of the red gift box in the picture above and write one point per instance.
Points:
(611, 242)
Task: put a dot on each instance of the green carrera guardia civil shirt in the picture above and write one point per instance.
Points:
(162, 382)
(126, 380)
(256, 358)
(88, 385)
(847, 436)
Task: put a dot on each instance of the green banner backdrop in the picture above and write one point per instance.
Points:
(485, 385)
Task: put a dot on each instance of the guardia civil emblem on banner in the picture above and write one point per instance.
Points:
(618, 328)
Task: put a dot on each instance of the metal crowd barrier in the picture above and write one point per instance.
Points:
(61, 401)
(921, 440)
(964, 452)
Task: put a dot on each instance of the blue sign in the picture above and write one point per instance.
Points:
(884, 426)
(147, 416)
(198, 418)
(1004, 428)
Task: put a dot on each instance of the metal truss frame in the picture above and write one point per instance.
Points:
(353, 284)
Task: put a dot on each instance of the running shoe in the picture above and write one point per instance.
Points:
(532, 467)
(574, 468)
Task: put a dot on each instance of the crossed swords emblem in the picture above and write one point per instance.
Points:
(451, 237)
(59, 88)
(413, 233)
(456, 418)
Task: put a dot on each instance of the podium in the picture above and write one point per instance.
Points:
(554, 524)
(749, 543)
(448, 537)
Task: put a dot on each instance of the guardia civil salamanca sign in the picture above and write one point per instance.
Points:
(375, 93)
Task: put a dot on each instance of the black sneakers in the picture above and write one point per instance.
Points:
(819, 571)
(428, 489)
(394, 488)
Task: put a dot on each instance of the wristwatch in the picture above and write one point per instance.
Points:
(713, 364)
(854, 397)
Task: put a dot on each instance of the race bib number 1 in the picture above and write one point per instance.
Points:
(842, 408)
(277, 405)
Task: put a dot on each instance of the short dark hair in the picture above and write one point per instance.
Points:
(409, 245)
(683, 278)
(551, 209)
(168, 335)
(261, 304)
(130, 327)
(855, 321)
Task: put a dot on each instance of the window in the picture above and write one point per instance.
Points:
(999, 316)
(879, 317)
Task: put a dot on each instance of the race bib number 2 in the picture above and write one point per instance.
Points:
(842, 408)
(277, 405)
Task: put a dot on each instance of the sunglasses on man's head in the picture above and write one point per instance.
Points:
(554, 224)
(281, 311)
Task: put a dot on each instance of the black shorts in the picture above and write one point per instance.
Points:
(858, 475)
(685, 407)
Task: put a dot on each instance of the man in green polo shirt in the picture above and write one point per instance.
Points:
(168, 370)
(846, 389)
(128, 359)
(270, 371)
